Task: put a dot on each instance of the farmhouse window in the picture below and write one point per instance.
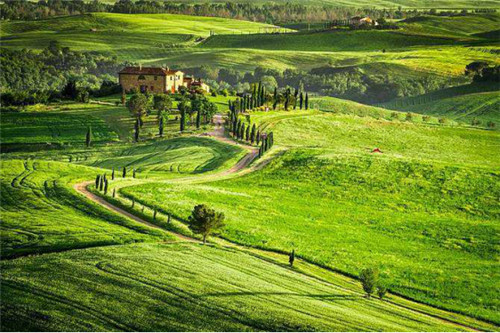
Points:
(141, 77)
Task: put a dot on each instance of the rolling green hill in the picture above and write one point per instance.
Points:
(332, 41)
(188, 287)
(431, 194)
(478, 102)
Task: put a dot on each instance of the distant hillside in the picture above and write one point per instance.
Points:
(463, 103)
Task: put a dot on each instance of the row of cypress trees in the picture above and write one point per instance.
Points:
(259, 98)
(101, 181)
(267, 143)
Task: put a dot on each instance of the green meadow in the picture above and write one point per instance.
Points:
(418, 211)
(424, 210)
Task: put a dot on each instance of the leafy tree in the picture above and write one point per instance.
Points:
(162, 103)
(475, 68)
(204, 221)
(369, 280)
(138, 106)
(88, 137)
(291, 258)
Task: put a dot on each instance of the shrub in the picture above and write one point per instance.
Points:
(369, 280)
(442, 120)
(381, 291)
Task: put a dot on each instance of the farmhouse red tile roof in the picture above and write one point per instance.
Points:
(147, 71)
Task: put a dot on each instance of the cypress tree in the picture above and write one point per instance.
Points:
(263, 96)
(154, 214)
(113, 174)
(247, 133)
(133, 173)
(160, 125)
(133, 203)
(124, 174)
(307, 101)
(257, 139)
(301, 99)
(291, 258)
(106, 186)
(114, 192)
(242, 131)
(252, 135)
(183, 120)
(136, 126)
(295, 97)
(97, 180)
(264, 144)
(88, 137)
(275, 98)
(101, 184)
(260, 151)
(235, 125)
(169, 218)
(198, 119)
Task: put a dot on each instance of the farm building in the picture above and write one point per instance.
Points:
(157, 79)
(358, 20)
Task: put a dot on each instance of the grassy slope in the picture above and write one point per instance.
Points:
(419, 211)
(186, 287)
(481, 106)
(325, 41)
(41, 214)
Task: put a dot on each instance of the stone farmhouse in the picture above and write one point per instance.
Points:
(358, 20)
(157, 80)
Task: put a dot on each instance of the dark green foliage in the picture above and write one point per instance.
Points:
(155, 211)
(253, 134)
(101, 184)
(161, 125)
(162, 103)
(88, 137)
(369, 280)
(138, 106)
(136, 130)
(184, 108)
(257, 137)
(133, 203)
(133, 172)
(204, 221)
(301, 99)
(97, 181)
(247, 133)
(291, 258)
(124, 174)
(114, 192)
(295, 98)
(307, 101)
(113, 174)
(106, 186)
(381, 291)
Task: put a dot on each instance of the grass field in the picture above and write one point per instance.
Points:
(418, 211)
(198, 288)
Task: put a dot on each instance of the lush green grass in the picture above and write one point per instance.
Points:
(332, 41)
(419, 211)
(121, 34)
(459, 26)
(462, 105)
(186, 287)
(40, 213)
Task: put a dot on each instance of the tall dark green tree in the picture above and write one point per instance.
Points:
(369, 280)
(253, 134)
(136, 129)
(183, 108)
(275, 98)
(101, 184)
(198, 119)
(97, 181)
(257, 137)
(247, 133)
(291, 258)
(88, 137)
(161, 125)
(307, 101)
(113, 174)
(124, 173)
(295, 98)
(301, 100)
(106, 186)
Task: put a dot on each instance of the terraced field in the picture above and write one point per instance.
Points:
(418, 211)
